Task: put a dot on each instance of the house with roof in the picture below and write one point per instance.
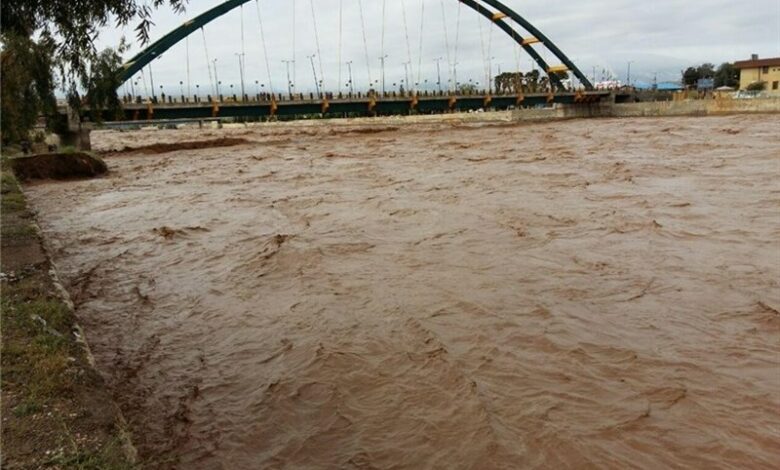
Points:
(758, 70)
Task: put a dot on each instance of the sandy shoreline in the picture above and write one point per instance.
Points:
(443, 295)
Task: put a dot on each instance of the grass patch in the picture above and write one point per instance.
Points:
(56, 410)
(27, 408)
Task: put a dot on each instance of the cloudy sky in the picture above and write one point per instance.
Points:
(658, 36)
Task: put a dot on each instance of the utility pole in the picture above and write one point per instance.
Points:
(382, 61)
(594, 75)
(241, 74)
(216, 79)
(628, 75)
(314, 72)
(351, 86)
(438, 73)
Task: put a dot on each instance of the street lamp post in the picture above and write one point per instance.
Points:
(241, 74)
(216, 79)
(438, 72)
(314, 72)
(289, 83)
(351, 83)
(382, 61)
(406, 74)
(151, 78)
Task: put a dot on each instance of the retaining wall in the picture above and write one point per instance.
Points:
(707, 107)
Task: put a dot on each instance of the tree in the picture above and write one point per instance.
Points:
(508, 82)
(467, 89)
(533, 81)
(727, 75)
(706, 70)
(51, 43)
(27, 85)
(691, 76)
(757, 86)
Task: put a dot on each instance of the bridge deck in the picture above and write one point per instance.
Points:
(356, 106)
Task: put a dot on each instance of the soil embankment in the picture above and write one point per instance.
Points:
(60, 166)
(594, 293)
(56, 409)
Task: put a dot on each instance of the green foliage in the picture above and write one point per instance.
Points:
(467, 89)
(727, 75)
(517, 82)
(508, 82)
(27, 86)
(757, 86)
(44, 38)
(692, 75)
(102, 82)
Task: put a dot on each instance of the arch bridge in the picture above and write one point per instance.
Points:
(518, 28)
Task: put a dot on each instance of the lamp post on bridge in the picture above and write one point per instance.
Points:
(406, 74)
(382, 61)
(438, 72)
(151, 78)
(351, 83)
(289, 83)
(241, 73)
(314, 72)
(216, 79)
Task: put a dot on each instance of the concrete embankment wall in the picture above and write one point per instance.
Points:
(716, 106)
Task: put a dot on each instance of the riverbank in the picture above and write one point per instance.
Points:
(56, 410)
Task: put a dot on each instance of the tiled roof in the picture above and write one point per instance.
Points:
(752, 64)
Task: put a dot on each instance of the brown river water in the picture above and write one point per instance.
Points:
(581, 294)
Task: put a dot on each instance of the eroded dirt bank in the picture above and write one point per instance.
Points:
(584, 294)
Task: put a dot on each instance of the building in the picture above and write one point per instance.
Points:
(759, 70)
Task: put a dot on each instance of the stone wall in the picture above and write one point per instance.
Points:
(706, 107)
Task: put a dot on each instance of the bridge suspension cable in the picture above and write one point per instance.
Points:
(265, 48)
(294, 61)
(422, 30)
(212, 83)
(365, 42)
(482, 49)
(408, 46)
(341, 30)
(187, 46)
(446, 44)
(457, 37)
(317, 41)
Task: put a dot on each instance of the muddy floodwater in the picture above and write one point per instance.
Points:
(580, 294)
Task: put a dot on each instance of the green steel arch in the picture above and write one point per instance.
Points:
(497, 16)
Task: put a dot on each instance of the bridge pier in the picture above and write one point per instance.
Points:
(73, 132)
(79, 139)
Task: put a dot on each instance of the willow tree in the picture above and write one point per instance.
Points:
(51, 43)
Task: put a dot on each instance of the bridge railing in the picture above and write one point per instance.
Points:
(263, 97)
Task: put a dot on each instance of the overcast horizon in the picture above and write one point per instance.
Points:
(601, 36)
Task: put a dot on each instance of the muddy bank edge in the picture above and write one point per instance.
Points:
(56, 409)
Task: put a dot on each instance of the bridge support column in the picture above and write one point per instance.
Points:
(79, 139)
(74, 133)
